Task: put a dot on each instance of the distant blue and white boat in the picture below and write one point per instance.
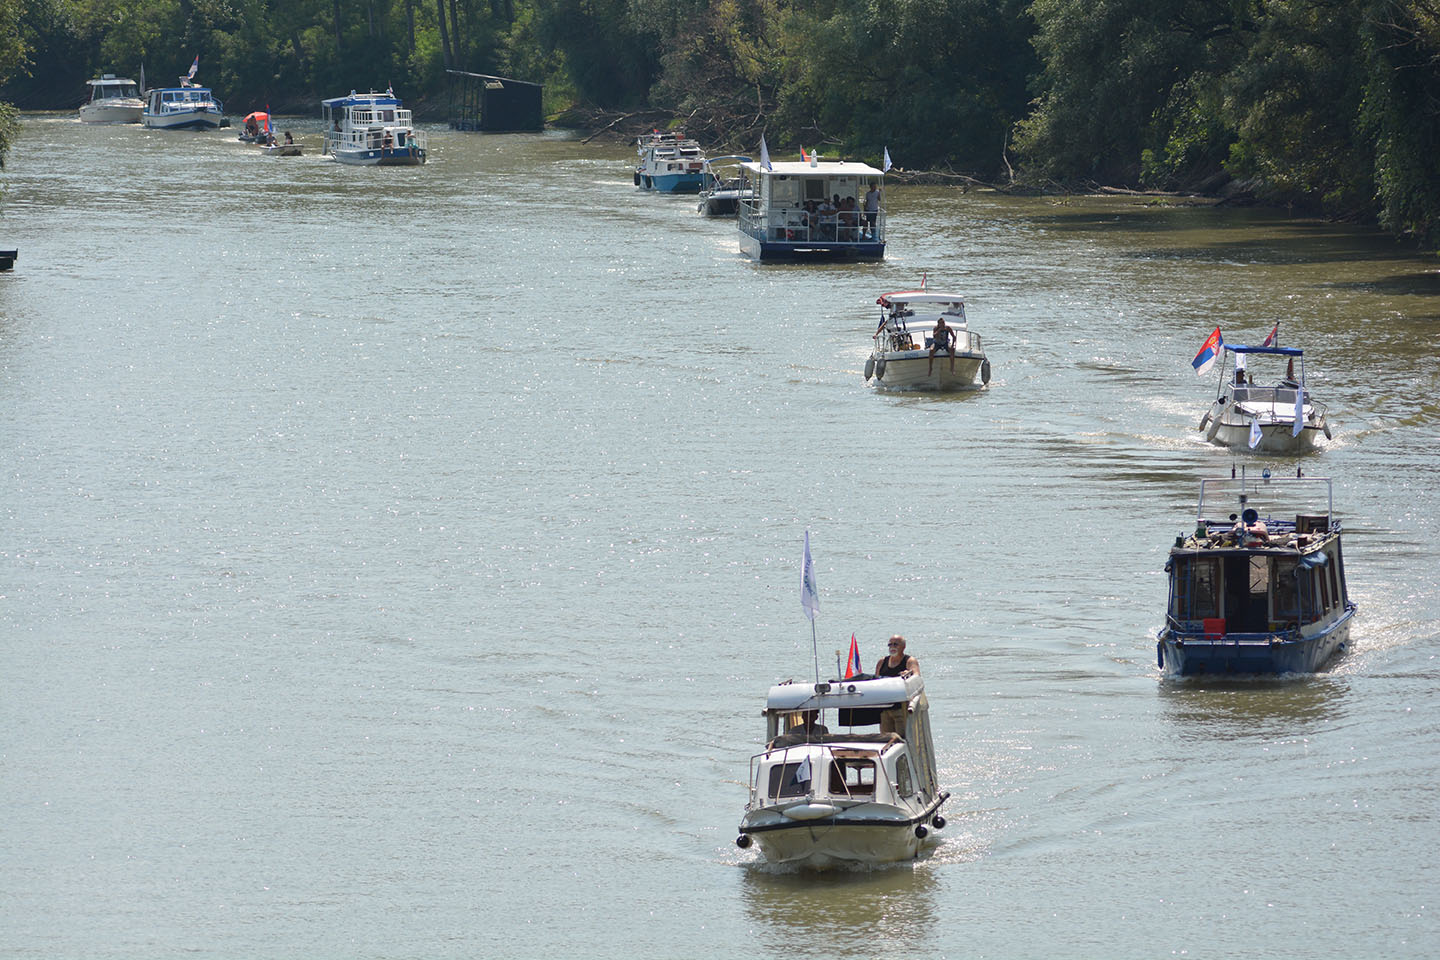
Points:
(670, 163)
(1262, 590)
(182, 108)
(372, 130)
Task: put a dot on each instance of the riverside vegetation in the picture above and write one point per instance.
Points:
(1330, 106)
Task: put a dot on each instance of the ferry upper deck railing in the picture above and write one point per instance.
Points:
(795, 224)
(367, 139)
(1280, 496)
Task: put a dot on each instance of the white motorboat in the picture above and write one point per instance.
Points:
(788, 210)
(669, 162)
(821, 799)
(112, 100)
(904, 355)
(372, 130)
(1278, 417)
(721, 187)
(182, 108)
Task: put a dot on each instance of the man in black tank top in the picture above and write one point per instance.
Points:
(897, 664)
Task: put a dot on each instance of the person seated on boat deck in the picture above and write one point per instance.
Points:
(808, 730)
(941, 338)
(828, 211)
(289, 137)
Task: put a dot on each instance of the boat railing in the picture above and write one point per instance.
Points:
(1278, 496)
(364, 138)
(1192, 631)
(798, 225)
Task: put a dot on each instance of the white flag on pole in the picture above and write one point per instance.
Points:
(802, 772)
(1255, 433)
(809, 596)
(1299, 412)
(885, 168)
(764, 155)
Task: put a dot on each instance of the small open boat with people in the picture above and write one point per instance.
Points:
(255, 127)
(670, 162)
(1262, 590)
(1279, 416)
(811, 210)
(112, 100)
(372, 130)
(924, 343)
(820, 799)
(720, 186)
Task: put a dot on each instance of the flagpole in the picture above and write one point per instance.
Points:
(815, 646)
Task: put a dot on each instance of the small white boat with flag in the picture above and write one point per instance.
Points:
(1278, 416)
(867, 794)
(924, 343)
(112, 100)
(1262, 590)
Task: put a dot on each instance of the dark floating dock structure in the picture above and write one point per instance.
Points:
(7, 258)
(494, 104)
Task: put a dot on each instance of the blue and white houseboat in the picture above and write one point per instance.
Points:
(372, 130)
(867, 794)
(1279, 416)
(1260, 590)
(670, 163)
(182, 108)
(812, 210)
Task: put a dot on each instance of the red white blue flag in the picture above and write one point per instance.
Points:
(193, 67)
(1209, 353)
(852, 662)
(1274, 336)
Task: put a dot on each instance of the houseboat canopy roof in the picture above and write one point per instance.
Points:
(879, 692)
(823, 168)
(918, 296)
(1282, 351)
(367, 99)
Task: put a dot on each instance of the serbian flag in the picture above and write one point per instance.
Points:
(193, 67)
(1273, 336)
(852, 662)
(804, 156)
(1209, 353)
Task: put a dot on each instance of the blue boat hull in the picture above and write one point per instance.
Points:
(794, 250)
(1250, 654)
(671, 182)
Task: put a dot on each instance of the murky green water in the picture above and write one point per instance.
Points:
(392, 563)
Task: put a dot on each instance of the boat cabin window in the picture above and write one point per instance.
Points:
(902, 777)
(1195, 594)
(783, 782)
(1287, 590)
(815, 190)
(849, 776)
(1259, 576)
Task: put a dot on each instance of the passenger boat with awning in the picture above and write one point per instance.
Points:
(789, 210)
(820, 799)
(1261, 591)
(905, 356)
(372, 130)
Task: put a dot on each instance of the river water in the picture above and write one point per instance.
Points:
(393, 563)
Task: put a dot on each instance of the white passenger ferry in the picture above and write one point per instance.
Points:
(812, 210)
(372, 129)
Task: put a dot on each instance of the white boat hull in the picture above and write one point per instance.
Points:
(1230, 427)
(913, 370)
(183, 120)
(865, 833)
(112, 112)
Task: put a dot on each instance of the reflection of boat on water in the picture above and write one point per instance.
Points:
(901, 356)
(820, 799)
(1251, 707)
(1264, 595)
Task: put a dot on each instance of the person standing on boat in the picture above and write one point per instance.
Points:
(895, 664)
(941, 338)
(872, 207)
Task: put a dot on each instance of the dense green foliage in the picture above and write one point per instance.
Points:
(1330, 105)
